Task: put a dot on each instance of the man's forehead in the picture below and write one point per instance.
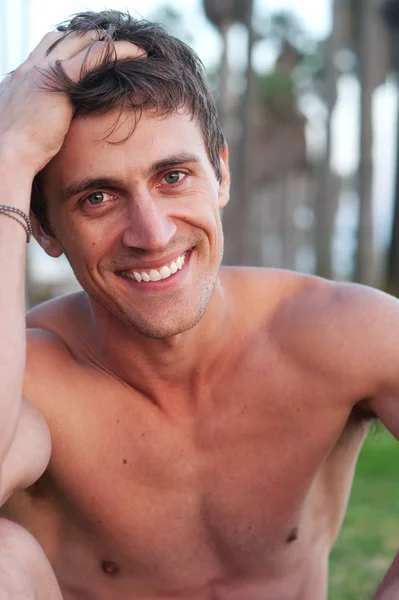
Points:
(118, 141)
(118, 126)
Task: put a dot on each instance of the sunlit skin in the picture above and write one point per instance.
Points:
(187, 432)
(389, 588)
(178, 408)
(155, 204)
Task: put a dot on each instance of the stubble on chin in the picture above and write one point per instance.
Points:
(187, 317)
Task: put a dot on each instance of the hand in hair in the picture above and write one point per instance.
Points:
(34, 118)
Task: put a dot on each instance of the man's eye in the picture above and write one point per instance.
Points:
(173, 177)
(96, 198)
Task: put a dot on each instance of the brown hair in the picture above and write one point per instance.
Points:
(168, 78)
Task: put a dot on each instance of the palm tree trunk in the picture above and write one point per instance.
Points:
(248, 257)
(223, 97)
(365, 248)
(237, 221)
(327, 198)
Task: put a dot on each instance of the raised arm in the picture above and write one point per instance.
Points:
(33, 123)
(34, 120)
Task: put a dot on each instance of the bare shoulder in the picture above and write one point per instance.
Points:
(261, 276)
(347, 314)
(344, 331)
(52, 330)
(276, 293)
(341, 331)
(259, 291)
(57, 315)
(52, 326)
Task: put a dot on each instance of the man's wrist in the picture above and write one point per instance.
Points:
(16, 179)
(15, 156)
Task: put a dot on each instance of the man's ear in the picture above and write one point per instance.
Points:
(46, 241)
(224, 189)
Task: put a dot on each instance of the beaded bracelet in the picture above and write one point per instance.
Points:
(12, 211)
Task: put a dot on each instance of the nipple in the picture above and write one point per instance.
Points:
(109, 567)
(293, 535)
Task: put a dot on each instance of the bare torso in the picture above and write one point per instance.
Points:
(236, 493)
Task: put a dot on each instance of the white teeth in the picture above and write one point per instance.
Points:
(165, 272)
(154, 275)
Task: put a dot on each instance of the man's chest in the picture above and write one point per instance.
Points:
(225, 487)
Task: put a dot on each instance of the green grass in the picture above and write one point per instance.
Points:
(369, 538)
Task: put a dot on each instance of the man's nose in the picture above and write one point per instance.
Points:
(149, 226)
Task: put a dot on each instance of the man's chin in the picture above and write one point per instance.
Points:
(160, 330)
(165, 320)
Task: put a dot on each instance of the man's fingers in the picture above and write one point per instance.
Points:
(94, 56)
(38, 54)
(73, 44)
(5, 82)
(67, 46)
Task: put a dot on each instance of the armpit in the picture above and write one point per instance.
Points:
(362, 413)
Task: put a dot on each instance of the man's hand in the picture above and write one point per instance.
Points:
(33, 119)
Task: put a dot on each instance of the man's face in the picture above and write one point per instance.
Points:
(139, 220)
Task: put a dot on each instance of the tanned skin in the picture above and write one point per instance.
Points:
(205, 427)
(389, 588)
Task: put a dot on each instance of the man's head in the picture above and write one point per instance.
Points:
(137, 185)
(169, 77)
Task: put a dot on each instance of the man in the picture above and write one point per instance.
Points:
(204, 424)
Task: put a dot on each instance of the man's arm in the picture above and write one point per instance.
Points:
(389, 588)
(365, 330)
(25, 572)
(33, 123)
(29, 453)
(15, 192)
(24, 569)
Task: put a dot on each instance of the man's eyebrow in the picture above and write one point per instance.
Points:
(173, 161)
(89, 183)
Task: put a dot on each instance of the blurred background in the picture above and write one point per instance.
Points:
(308, 96)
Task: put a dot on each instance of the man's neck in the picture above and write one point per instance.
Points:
(180, 363)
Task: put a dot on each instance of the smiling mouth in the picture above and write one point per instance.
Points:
(163, 272)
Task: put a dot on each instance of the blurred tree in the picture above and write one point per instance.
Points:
(327, 195)
(390, 13)
(281, 173)
(235, 114)
(243, 178)
(273, 144)
(173, 20)
(370, 44)
(365, 15)
(223, 14)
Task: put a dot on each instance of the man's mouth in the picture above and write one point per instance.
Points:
(162, 272)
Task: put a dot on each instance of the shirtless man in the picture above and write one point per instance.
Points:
(205, 423)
